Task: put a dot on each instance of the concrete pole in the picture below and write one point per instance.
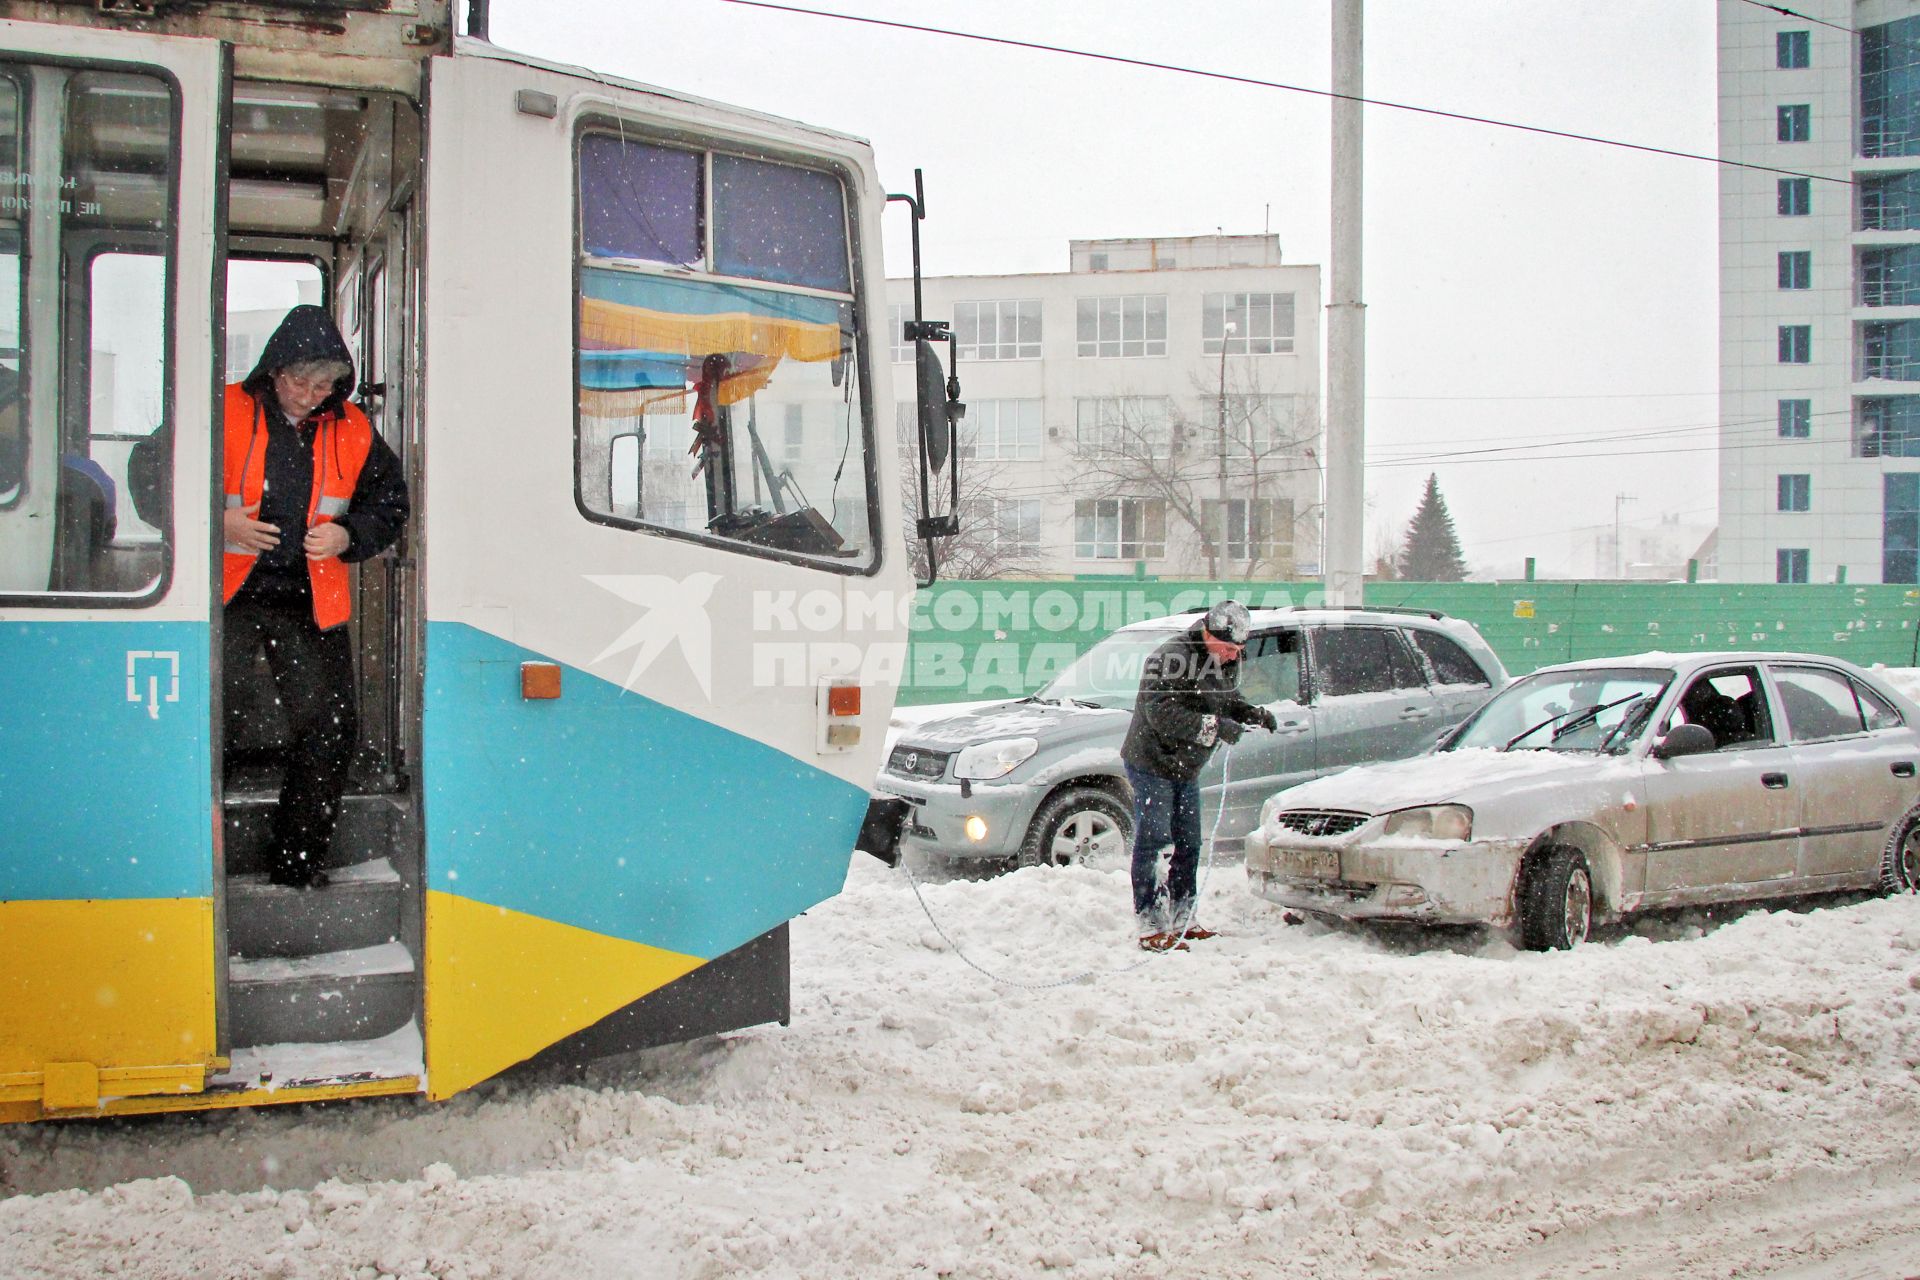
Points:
(1345, 552)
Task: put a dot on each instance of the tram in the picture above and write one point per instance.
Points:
(624, 680)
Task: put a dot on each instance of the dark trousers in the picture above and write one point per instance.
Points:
(1165, 813)
(313, 676)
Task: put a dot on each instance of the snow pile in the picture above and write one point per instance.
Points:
(1284, 1101)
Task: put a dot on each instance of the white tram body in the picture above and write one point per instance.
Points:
(624, 681)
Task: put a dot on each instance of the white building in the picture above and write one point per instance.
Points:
(1820, 292)
(1099, 401)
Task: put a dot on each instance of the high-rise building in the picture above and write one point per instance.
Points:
(1158, 404)
(1820, 291)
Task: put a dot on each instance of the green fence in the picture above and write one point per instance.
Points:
(1002, 639)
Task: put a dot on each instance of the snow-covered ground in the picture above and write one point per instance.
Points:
(1736, 1099)
(1693, 1099)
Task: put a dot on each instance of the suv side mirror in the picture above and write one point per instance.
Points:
(1685, 740)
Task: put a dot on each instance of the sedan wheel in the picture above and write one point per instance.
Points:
(1083, 826)
(1900, 865)
(1556, 900)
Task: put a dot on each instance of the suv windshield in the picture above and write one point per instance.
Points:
(1588, 710)
(1107, 675)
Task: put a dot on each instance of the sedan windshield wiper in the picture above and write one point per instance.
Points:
(1581, 716)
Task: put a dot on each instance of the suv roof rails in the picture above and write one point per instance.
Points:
(1409, 610)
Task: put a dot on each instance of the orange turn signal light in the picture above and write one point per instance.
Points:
(843, 700)
(539, 680)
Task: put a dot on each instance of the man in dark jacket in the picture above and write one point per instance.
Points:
(1189, 701)
(310, 487)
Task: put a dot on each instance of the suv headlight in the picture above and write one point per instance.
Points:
(1432, 822)
(985, 761)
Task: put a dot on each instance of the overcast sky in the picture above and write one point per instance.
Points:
(1521, 290)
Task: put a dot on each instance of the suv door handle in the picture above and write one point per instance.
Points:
(1773, 781)
(1415, 713)
(1902, 768)
(1293, 726)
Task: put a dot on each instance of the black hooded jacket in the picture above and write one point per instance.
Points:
(1181, 684)
(378, 511)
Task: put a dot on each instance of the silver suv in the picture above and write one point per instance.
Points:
(1040, 780)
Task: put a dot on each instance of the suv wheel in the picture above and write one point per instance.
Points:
(1082, 826)
(1556, 902)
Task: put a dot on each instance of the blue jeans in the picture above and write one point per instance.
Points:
(1165, 813)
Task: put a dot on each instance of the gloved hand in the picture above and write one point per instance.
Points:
(1265, 719)
(1231, 730)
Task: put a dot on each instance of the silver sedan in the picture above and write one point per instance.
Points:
(1590, 791)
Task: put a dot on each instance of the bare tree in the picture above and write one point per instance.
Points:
(1235, 443)
(989, 544)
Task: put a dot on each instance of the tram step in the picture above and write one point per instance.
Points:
(366, 830)
(359, 908)
(359, 994)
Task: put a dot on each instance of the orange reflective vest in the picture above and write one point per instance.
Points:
(341, 441)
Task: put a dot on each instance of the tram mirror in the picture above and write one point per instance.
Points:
(936, 423)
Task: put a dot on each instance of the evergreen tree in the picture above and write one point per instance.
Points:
(1431, 552)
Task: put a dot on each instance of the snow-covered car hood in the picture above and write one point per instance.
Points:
(1051, 722)
(1492, 783)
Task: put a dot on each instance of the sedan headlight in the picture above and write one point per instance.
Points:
(985, 761)
(1432, 822)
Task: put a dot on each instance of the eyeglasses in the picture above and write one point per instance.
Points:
(317, 382)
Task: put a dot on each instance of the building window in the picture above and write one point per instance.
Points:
(1796, 344)
(1257, 426)
(1900, 528)
(1790, 564)
(1792, 50)
(1793, 123)
(897, 344)
(1890, 89)
(1796, 269)
(1255, 528)
(1889, 201)
(1890, 349)
(1123, 427)
(1794, 492)
(1120, 528)
(1096, 262)
(997, 330)
(1134, 325)
(1887, 427)
(1013, 525)
(1001, 431)
(1890, 276)
(1796, 197)
(1796, 419)
(794, 436)
(1262, 323)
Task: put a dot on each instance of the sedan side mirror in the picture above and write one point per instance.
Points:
(1685, 740)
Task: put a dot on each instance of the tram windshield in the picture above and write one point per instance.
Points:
(720, 392)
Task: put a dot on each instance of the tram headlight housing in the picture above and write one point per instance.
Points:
(986, 761)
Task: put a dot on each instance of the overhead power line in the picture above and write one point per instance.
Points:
(1290, 88)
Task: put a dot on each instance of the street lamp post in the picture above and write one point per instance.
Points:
(1219, 540)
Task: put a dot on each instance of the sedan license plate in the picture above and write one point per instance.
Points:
(1307, 864)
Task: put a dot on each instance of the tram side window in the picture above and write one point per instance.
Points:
(86, 251)
(720, 390)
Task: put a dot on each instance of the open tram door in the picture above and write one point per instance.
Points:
(656, 505)
(110, 903)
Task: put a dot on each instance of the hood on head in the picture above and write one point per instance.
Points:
(308, 333)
